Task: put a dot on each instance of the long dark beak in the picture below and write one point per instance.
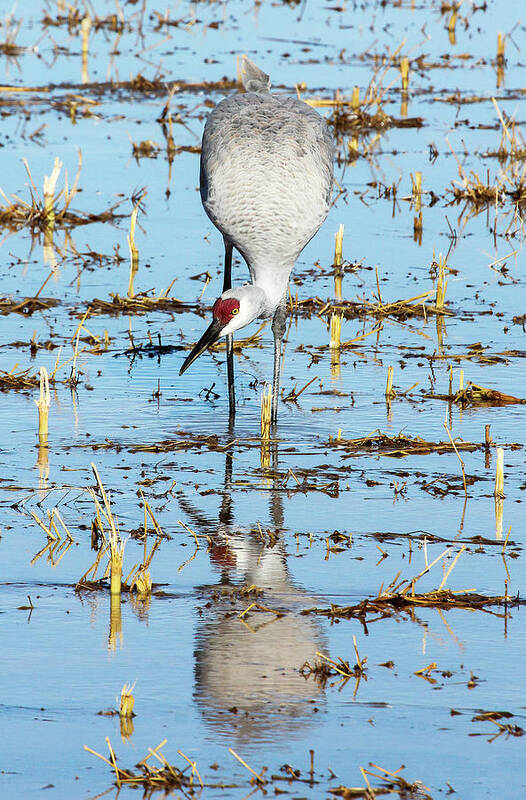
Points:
(211, 335)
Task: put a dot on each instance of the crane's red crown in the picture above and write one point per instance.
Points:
(224, 310)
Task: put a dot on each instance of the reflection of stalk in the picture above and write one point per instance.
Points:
(335, 340)
(49, 248)
(115, 622)
(499, 511)
(335, 364)
(43, 466)
(499, 475)
(336, 331)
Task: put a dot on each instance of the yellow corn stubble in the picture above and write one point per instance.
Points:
(43, 404)
(451, 25)
(127, 700)
(50, 182)
(266, 407)
(338, 246)
(389, 391)
(134, 252)
(85, 27)
(500, 47)
(416, 190)
(441, 282)
(404, 71)
(143, 583)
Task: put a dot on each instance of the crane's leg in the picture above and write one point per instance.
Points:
(227, 284)
(278, 329)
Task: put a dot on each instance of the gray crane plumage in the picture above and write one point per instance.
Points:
(266, 183)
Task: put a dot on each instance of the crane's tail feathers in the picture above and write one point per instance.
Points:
(252, 77)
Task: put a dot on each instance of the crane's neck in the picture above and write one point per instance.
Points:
(272, 277)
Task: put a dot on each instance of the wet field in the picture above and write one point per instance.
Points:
(348, 592)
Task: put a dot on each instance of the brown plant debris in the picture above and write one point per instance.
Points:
(396, 446)
(152, 777)
(503, 728)
(391, 784)
(155, 773)
(140, 304)
(389, 603)
(509, 185)
(17, 380)
(325, 668)
(400, 310)
(52, 208)
(26, 306)
(188, 441)
(474, 395)
(75, 16)
(112, 545)
(346, 120)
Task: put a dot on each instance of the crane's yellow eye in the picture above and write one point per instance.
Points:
(235, 311)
